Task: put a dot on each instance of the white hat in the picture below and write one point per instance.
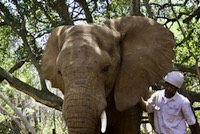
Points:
(175, 78)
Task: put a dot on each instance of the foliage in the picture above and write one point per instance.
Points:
(6, 126)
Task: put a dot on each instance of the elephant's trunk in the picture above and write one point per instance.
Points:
(80, 114)
(83, 103)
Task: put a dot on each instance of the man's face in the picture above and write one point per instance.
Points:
(170, 90)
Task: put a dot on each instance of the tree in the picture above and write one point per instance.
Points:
(25, 25)
(26, 123)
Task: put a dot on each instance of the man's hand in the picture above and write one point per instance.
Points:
(143, 104)
(195, 129)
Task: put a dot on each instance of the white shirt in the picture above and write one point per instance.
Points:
(170, 114)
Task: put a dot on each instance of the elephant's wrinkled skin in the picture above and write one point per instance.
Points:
(107, 67)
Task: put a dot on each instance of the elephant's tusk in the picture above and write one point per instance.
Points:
(103, 122)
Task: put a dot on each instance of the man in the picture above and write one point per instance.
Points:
(171, 109)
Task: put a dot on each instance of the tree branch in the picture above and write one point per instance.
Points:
(186, 69)
(88, 15)
(195, 13)
(15, 67)
(40, 5)
(135, 8)
(26, 123)
(194, 96)
(3, 111)
(148, 7)
(2, 24)
(45, 97)
(62, 9)
(19, 27)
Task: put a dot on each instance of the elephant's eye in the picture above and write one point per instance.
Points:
(59, 72)
(106, 68)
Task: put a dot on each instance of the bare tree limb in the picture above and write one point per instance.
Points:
(2, 24)
(45, 97)
(135, 8)
(15, 67)
(85, 7)
(197, 68)
(3, 111)
(148, 7)
(26, 123)
(186, 69)
(194, 96)
(195, 13)
(62, 9)
(19, 27)
(40, 5)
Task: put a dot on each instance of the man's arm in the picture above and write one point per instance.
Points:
(143, 104)
(189, 115)
(195, 129)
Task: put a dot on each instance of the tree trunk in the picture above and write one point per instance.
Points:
(135, 8)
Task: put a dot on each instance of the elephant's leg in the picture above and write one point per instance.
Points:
(127, 122)
(130, 120)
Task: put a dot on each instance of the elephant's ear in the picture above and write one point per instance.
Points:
(147, 53)
(49, 57)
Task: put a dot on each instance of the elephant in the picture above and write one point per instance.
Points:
(106, 68)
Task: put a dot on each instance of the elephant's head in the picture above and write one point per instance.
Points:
(87, 62)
